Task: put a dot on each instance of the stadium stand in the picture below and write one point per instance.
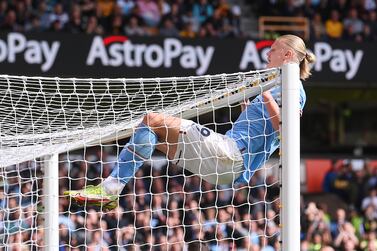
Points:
(341, 19)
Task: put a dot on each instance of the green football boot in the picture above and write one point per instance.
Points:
(93, 196)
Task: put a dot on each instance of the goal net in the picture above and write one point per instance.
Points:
(60, 134)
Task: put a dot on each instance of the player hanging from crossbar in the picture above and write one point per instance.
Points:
(217, 158)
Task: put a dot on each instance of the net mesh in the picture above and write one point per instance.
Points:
(164, 207)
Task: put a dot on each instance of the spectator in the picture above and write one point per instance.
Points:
(339, 222)
(367, 35)
(369, 5)
(133, 28)
(316, 242)
(88, 8)
(353, 25)
(169, 29)
(346, 237)
(34, 25)
(371, 246)
(216, 21)
(196, 246)
(344, 183)
(309, 8)
(97, 242)
(342, 6)
(235, 19)
(10, 23)
(75, 25)
(371, 200)
(59, 17)
(371, 23)
(188, 31)
(164, 7)
(369, 242)
(189, 19)
(349, 245)
(211, 31)
(334, 27)
(22, 14)
(175, 16)
(202, 11)
(3, 10)
(148, 10)
(370, 219)
(105, 8)
(127, 6)
(329, 179)
(318, 30)
(357, 222)
(117, 26)
(92, 26)
(44, 15)
(371, 176)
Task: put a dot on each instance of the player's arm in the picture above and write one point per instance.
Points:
(272, 108)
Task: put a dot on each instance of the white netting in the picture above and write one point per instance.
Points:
(163, 208)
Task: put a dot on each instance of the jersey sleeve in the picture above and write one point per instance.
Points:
(302, 99)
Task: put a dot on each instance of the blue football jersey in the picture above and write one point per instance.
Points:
(255, 135)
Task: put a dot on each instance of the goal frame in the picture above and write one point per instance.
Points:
(290, 157)
(289, 170)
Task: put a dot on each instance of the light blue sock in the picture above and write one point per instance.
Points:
(140, 148)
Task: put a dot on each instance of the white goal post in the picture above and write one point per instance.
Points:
(290, 157)
(41, 118)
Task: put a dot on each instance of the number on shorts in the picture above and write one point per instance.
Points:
(204, 131)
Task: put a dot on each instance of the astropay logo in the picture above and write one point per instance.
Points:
(256, 54)
(337, 60)
(345, 61)
(33, 51)
(119, 50)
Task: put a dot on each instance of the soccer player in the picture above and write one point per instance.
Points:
(217, 158)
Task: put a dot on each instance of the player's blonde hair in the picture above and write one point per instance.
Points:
(304, 56)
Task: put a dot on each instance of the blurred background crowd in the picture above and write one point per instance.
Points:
(350, 193)
(123, 17)
(165, 208)
(353, 20)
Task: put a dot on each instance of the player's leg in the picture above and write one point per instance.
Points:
(154, 127)
(167, 130)
(220, 160)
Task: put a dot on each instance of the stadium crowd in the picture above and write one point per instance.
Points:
(123, 17)
(165, 208)
(350, 20)
(353, 20)
(352, 227)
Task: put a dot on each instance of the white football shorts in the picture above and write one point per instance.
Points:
(213, 156)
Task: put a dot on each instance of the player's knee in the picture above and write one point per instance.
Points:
(143, 142)
(152, 119)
